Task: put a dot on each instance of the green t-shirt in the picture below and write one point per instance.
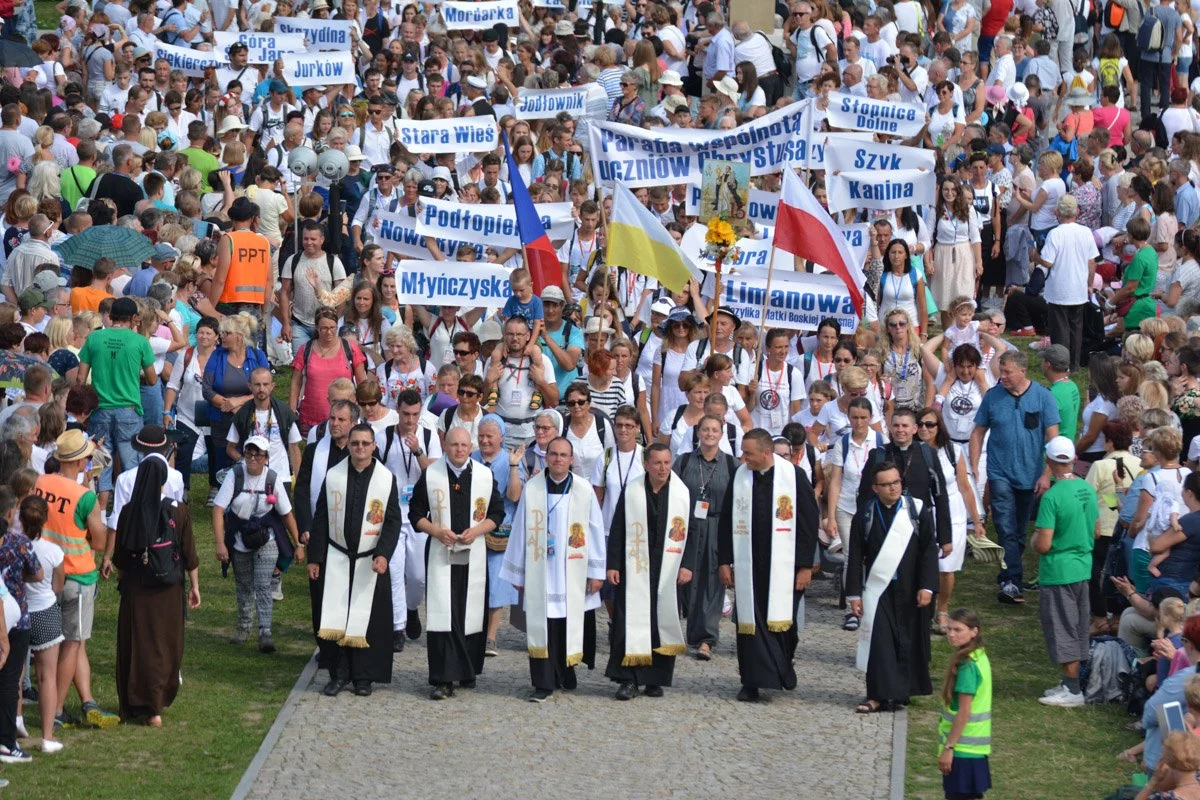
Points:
(116, 358)
(1069, 508)
(82, 509)
(202, 161)
(1066, 395)
(965, 682)
(76, 181)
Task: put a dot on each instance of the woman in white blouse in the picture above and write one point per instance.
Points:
(957, 254)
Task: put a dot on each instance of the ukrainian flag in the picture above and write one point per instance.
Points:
(638, 241)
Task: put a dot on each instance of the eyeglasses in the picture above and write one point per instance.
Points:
(577, 403)
(369, 403)
(928, 425)
(468, 393)
(362, 444)
(900, 324)
(463, 352)
(543, 427)
(255, 454)
(888, 485)
(843, 361)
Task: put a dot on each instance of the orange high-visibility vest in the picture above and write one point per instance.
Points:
(249, 269)
(62, 495)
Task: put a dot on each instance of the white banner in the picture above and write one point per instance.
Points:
(188, 61)
(762, 209)
(468, 284)
(321, 34)
(639, 157)
(494, 225)
(845, 154)
(285, 42)
(553, 5)
(818, 142)
(899, 188)
(751, 253)
(458, 135)
(798, 300)
(397, 233)
(858, 236)
(480, 15)
(548, 103)
(878, 116)
(318, 69)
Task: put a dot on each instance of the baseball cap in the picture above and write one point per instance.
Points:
(259, 442)
(553, 294)
(661, 306)
(34, 298)
(164, 252)
(676, 103)
(477, 82)
(1057, 357)
(278, 87)
(994, 149)
(489, 331)
(1060, 449)
(46, 280)
(426, 189)
(409, 55)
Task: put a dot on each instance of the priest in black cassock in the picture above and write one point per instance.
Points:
(649, 554)
(892, 574)
(329, 451)
(354, 532)
(456, 502)
(770, 520)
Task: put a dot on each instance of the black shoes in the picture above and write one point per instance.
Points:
(627, 691)
(442, 691)
(335, 686)
(413, 626)
(467, 684)
(397, 641)
(569, 680)
(653, 691)
(362, 688)
(540, 696)
(748, 695)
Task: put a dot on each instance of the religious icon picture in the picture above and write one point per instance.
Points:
(480, 509)
(576, 538)
(678, 530)
(783, 509)
(724, 191)
(375, 512)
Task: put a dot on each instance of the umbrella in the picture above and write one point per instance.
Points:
(15, 54)
(126, 247)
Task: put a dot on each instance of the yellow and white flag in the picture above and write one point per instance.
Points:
(638, 241)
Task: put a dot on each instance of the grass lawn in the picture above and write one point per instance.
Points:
(1037, 751)
(229, 697)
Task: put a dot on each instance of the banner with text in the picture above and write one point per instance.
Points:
(820, 141)
(548, 103)
(878, 116)
(750, 253)
(494, 225)
(460, 283)
(284, 42)
(798, 300)
(459, 135)
(318, 69)
(321, 34)
(898, 188)
(480, 15)
(639, 157)
(762, 208)
(188, 61)
(397, 233)
(846, 154)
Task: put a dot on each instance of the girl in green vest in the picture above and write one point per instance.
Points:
(965, 728)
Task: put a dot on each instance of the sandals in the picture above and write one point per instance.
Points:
(869, 706)
(850, 623)
(939, 626)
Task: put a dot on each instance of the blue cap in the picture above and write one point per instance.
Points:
(278, 87)
(164, 252)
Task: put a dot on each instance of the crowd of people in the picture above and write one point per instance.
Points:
(162, 261)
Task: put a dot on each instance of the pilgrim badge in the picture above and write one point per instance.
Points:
(576, 538)
(480, 510)
(768, 399)
(375, 512)
(783, 509)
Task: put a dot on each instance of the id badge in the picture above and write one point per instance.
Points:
(701, 511)
(550, 547)
(406, 494)
(516, 398)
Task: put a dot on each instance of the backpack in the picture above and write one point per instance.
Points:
(846, 444)
(255, 531)
(730, 430)
(603, 427)
(878, 456)
(1114, 14)
(1110, 72)
(783, 62)
(162, 561)
(736, 354)
(731, 463)
(387, 368)
(1151, 35)
(389, 436)
(905, 498)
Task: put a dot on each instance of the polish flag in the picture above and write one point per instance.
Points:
(804, 229)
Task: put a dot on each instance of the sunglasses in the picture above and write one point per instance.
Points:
(346, 116)
(577, 403)
(369, 403)
(362, 444)
(374, 111)
(468, 393)
(897, 324)
(928, 425)
(463, 352)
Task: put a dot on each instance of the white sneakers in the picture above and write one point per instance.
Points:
(51, 746)
(1062, 697)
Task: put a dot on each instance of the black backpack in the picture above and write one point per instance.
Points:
(255, 531)
(783, 62)
(161, 561)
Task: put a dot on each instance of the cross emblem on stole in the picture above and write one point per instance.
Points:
(335, 513)
(439, 505)
(635, 548)
(534, 541)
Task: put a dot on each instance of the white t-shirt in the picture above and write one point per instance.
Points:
(852, 466)
(589, 449)
(1044, 217)
(1097, 406)
(622, 468)
(252, 502)
(743, 368)
(40, 596)
(941, 126)
(772, 408)
(277, 454)
(1069, 247)
(393, 380)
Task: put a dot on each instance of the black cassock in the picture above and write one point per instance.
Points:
(660, 672)
(373, 663)
(301, 492)
(765, 658)
(453, 655)
(898, 666)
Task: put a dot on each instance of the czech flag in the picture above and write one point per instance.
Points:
(541, 259)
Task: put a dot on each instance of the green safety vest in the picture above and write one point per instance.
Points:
(976, 738)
